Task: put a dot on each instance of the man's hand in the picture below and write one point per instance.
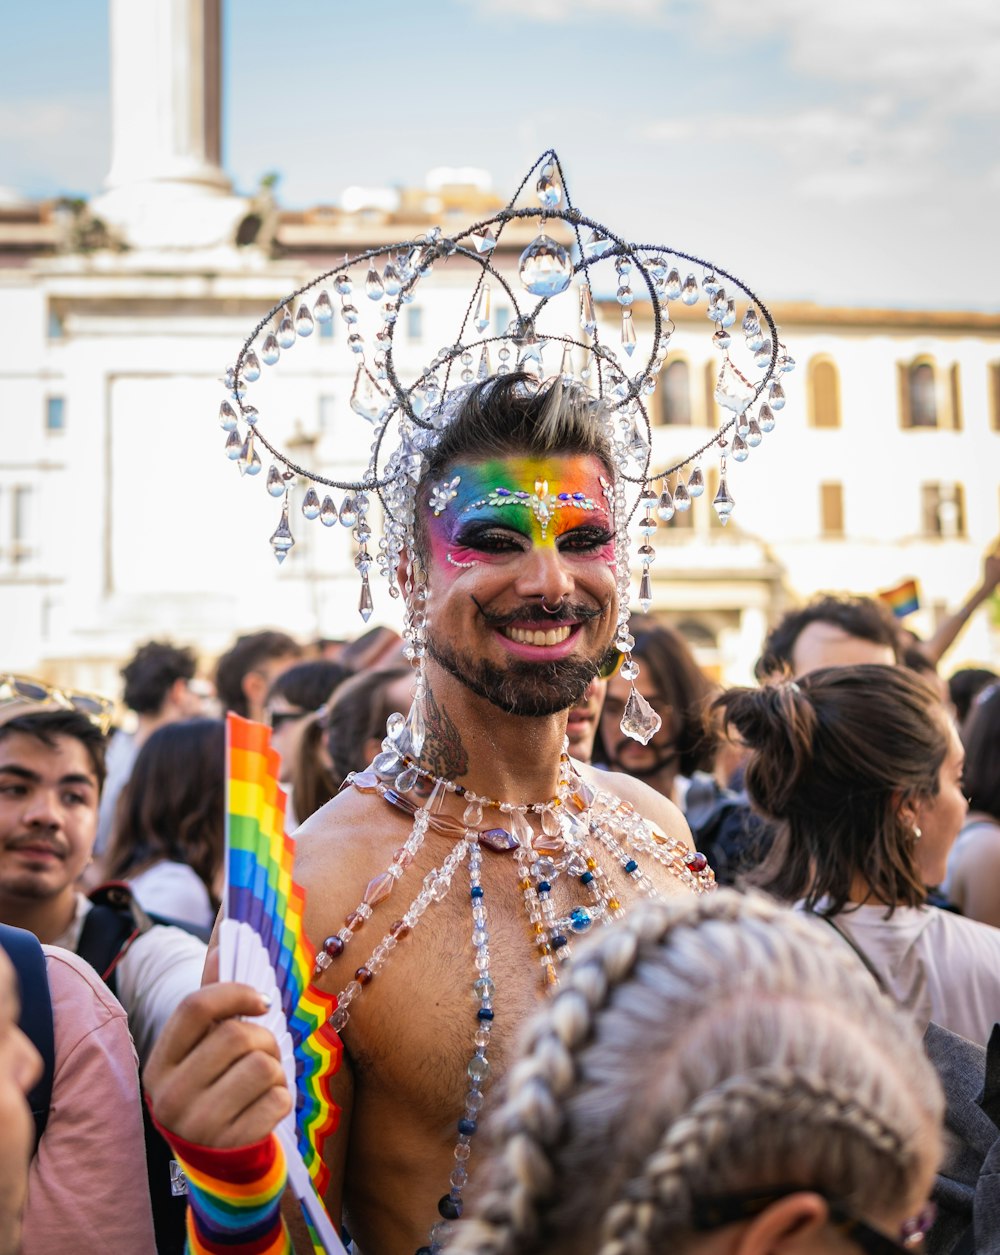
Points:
(214, 1079)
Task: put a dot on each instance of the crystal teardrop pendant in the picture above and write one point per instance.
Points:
(304, 324)
(739, 449)
(365, 606)
(270, 350)
(251, 368)
(282, 539)
(545, 268)
(484, 241)
(234, 445)
(416, 726)
(645, 591)
(286, 331)
(689, 292)
(639, 720)
(485, 368)
(390, 280)
(766, 418)
(548, 189)
(472, 816)
(328, 512)
(367, 398)
(250, 462)
(521, 829)
(754, 436)
(349, 511)
(682, 498)
(733, 390)
(311, 503)
(665, 506)
(323, 308)
(227, 417)
(595, 245)
(724, 503)
(481, 318)
(776, 396)
(672, 284)
(696, 482)
(251, 415)
(275, 481)
(566, 365)
(374, 287)
(588, 319)
(628, 332)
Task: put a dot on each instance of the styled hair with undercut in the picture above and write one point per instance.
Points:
(701, 1047)
(514, 414)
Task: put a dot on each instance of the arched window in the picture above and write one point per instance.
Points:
(824, 393)
(675, 394)
(918, 397)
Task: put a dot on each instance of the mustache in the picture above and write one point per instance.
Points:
(532, 612)
(33, 840)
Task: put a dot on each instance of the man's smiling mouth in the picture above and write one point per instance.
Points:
(529, 636)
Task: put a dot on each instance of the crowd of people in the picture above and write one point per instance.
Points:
(767, 1067)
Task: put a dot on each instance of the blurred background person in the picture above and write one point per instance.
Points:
(831, 631)
(350, 733)
(169, 832)
(712, 1076)
(860, 771)
(160, 688)
(584, 720)
(680, 693)
(245, 672)
(20, 1072)
(963, 687)
(294, 696)
(973, 880)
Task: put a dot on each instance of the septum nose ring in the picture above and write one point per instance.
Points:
(553, 609)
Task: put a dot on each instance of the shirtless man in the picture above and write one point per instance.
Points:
(521, 613)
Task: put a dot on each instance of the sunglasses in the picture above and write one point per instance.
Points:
(611, 666)
(712, 1213)
(279, 718)
(22, 688)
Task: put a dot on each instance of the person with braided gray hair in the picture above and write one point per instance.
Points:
(715, 1075)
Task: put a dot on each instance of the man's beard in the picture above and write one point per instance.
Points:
(530, 689)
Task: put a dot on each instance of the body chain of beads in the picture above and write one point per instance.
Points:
(584, 813)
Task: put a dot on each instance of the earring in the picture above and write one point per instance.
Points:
(917, 833)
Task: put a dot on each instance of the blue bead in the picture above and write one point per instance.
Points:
(586, 878)
(544, 887)
(476, 891)
(484, 1013)
(564, 496)
(580, 919)
(558, 941)
(467, 1127)
(631, 865)
(503, 492)
(450, 1208)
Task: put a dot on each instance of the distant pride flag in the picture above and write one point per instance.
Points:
(902, 600)
(261, 943)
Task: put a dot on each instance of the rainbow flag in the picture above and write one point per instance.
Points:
(262, 942)
(902, 600)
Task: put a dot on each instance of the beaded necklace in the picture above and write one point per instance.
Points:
(576, 824)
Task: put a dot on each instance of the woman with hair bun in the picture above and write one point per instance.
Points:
(715, 1076)
(860, 770)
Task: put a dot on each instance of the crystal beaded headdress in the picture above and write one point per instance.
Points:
(567, 276)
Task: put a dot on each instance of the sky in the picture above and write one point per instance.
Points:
(839, 151)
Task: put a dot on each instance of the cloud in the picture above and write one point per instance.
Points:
(68, 134)
(564, 11)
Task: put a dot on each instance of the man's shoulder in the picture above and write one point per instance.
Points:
(79, 996)
(346, 828)
(652, 806)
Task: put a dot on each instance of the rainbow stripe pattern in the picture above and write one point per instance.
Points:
(262, 939)
(902, 600)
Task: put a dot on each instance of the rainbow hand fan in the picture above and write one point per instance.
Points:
(261, 943)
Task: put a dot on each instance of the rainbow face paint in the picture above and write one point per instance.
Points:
(488, 511)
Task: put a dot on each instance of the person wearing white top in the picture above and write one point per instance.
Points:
(860, 770)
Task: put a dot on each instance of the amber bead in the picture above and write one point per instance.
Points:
(333, 946)
(363, 976)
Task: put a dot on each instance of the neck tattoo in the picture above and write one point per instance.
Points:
(577, 825)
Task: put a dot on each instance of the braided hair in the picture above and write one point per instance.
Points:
(697, 1048)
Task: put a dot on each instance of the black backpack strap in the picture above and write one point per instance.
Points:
(109, 928)
(35, 1021)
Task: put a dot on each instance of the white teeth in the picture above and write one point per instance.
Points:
(524, 636)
